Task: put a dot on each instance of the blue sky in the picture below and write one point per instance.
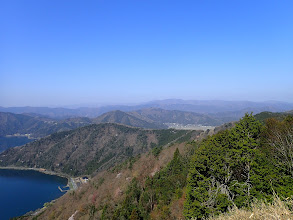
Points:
(59, 53)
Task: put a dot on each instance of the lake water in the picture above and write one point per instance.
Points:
(22, 191)
(7, 142)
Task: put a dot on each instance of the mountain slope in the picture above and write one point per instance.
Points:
(14, 123)
(127, 119)
(174, 116)
(230, 169)
(266, 115)
(35, 125)
(108, 188)
(156, 118)
(89, 149)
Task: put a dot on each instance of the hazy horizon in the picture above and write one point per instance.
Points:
(75, 53)
(97, 105)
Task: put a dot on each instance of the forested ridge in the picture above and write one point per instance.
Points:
(89, 149)
(229, 169)
(232, 169)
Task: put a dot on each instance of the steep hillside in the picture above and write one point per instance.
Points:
(91, 148)
(109, 188)
(230, 169)
(127, 119)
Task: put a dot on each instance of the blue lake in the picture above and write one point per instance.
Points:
(22, 191)
(8, 142)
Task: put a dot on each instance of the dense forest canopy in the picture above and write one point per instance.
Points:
(235, 166)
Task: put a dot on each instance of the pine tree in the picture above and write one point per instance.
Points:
(220, 172)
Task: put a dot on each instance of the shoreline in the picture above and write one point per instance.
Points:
(44, 171)
(41, 170)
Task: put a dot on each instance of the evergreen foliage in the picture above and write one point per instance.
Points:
(156, 151)
(159, 191)
(231, 168)
(264, 116)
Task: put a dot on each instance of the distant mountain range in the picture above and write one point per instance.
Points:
(232, 109)
(39, 126)
(157, 118)
(42, 121)
(175, 116)
(36, 126)
(128, 118)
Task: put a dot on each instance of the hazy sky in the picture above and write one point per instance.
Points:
(57, 52)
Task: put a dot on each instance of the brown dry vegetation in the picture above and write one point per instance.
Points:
(278, 210)
(108, 187)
